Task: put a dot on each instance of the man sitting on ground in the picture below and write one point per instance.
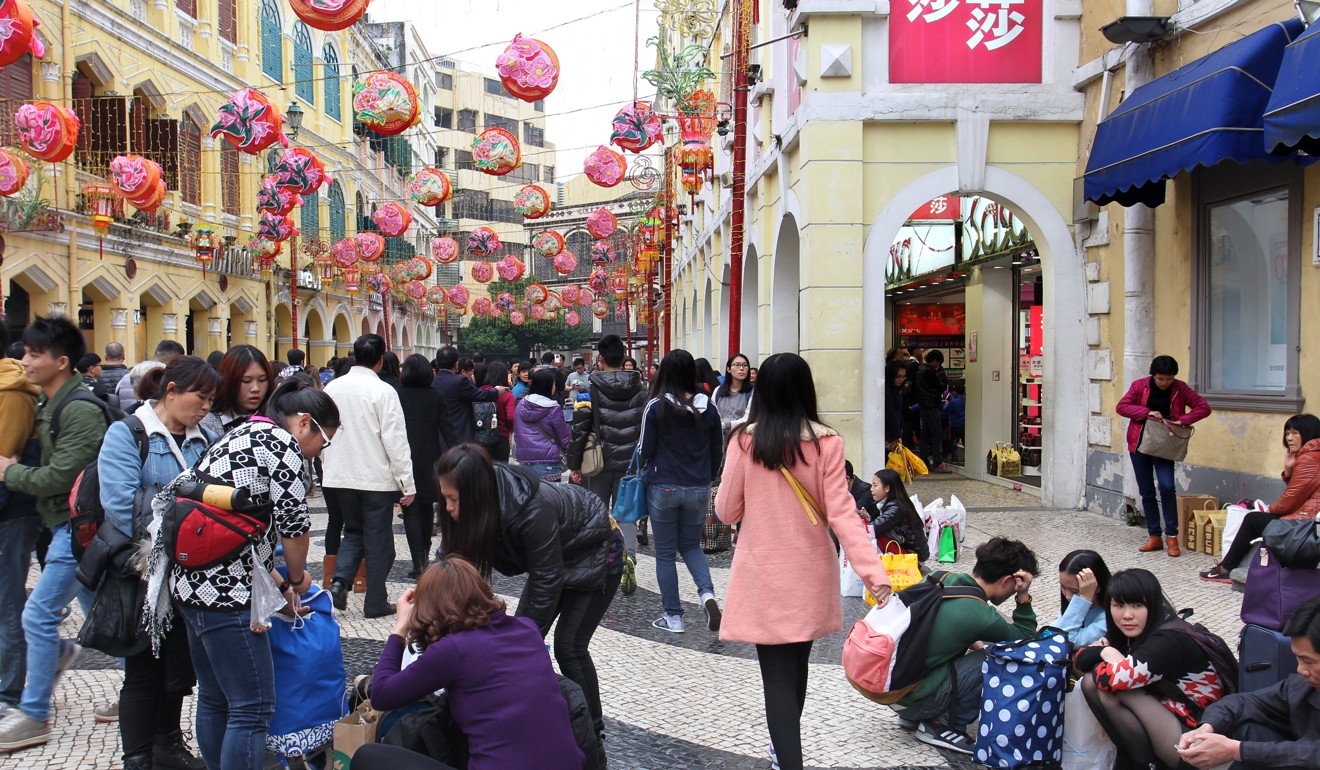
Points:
(1277, 727)
(949, 696)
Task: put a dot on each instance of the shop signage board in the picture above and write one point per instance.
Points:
(938, 209)
(921, 250)
(932, 320)
(966, 41)
(990, 231)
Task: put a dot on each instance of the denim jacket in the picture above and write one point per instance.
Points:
(125, 479)
(1083, 621)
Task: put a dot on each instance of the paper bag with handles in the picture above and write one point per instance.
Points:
(353, 732)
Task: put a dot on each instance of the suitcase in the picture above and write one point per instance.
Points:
(1265, 658)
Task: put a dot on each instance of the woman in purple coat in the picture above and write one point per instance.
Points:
(539, 430)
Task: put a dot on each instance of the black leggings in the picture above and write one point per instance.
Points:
(151, 698)
(784, 679)
(580, 613)
(382, 756)
(334, 527)
(1138, 723)
(418, 521)
(1253, 526)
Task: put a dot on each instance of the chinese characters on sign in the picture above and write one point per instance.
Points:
(966, 41)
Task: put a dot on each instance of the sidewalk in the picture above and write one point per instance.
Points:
(677, 701)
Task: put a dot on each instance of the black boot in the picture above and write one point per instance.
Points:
(339, 595)
(171, 751)
(138, 762)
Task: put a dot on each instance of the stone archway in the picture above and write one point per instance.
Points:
(786, 287)
(1064, 440)
(751, 307)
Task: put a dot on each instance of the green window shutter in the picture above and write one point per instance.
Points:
(311, 216)
(272, 44)
(305, 86)
(337, 216)
(331, 59)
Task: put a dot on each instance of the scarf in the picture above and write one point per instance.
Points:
(158, 609)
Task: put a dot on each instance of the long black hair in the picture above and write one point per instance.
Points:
(727, 385)
(1308, 425)
(898, 493)
(1136, 586)
(476, 534)
(675, 384)
(706, 377)
(297, 396)
(785, 404)
(1079, 560)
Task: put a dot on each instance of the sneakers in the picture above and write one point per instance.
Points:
(19, 731)
(108, 713)
(69, 652)
(941, 737)
(1217, 574)
(712, 608)
(629, 581)
(670, 623)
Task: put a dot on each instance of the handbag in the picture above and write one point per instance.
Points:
(716, 536)
(1296, 543)
(1165, 440)
(630, 500)
(1274, 592)
(593, 459)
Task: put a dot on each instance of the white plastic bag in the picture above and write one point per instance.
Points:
(1085, 744)
(850, 583)
(266, 597)
(1233, 521)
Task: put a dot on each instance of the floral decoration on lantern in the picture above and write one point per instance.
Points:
(510, 268)
(532, 201)
(392, 219)
(483, 242)
(250, 122)
(458, 296)
(570, 293)
(605, 167)
(278, 229)
(529, 69)
(437, 295)
(20, 36)
(47, 132)
(416, 290)
(343, 254)
(329, 15)
(482, 272)
(421, 268)
(602, 223)
(603, 253)
(572, 318)
(481, 306)
(205, 243)
(548, 243)
(265, 250)
(599, 280)
(13, 173)
(636, 127)
(536, 293)
(586, 297)
(134, 176)
(565, 262)
(444, 250)
(273, 199)
(619, 285)
(496, 152)
(517, 318)
(104, 203)
(386, 102)
(553, 303)
(430, 187)
(600, 309)
(301, 171)
(370, 246)
(505, 301)
(379, 284)
(537, 312)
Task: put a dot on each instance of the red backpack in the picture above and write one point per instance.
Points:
(86, 515)
(212, 523)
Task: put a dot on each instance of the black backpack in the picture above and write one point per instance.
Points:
(923, 601)
(85, 512)
(1216, 649)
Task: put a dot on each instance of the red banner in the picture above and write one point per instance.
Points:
(932, 320)
(965, 41)
(945, 207)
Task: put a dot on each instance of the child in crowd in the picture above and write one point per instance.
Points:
(898, 521)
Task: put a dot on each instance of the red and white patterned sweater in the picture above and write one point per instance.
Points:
(1165, 655)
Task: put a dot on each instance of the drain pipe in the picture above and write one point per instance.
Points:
(1138, 254)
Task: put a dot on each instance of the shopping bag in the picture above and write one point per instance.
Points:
(907, 465)
(1085, 744)
(309, 677)
(1236, 514)
(630, 499)
(850, 583)
(948, 547)
(353, 732)
(903, 568)
(716, 536)
(916, 467)
(1022, 691)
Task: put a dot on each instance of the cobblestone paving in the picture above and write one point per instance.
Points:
(689, 700)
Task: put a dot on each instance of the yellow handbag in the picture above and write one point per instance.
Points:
(904, 570)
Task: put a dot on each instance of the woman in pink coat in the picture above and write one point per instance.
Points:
(784, 585)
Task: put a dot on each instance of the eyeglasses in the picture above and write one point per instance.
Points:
(325, 440)
(739, 366)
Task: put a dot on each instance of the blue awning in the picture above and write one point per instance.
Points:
(1200, 114)
(1292, 119)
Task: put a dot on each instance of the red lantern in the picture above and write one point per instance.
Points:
(565, 262)
(483, 242)
(380, 284)
(437, 295)
(538, 312)
(152, 201)
(605, 167)
(586, 297)
(370, 246)
(386, 103)
(430, 187)
(510, 268)
(392, 219)
(572, 318)
(273, 199)
(458, 296)
(570, 293)
(536, 293)
(600, 309)
(343, 254)
(351, 278)
(103, 202)
(599, 280)
(13, 173)
(602, 223)
(496, 152)
(277, 229)
(205, 244)
(481, 306)
(421, 268)
(135, 176)
(16, 17)
(416, 290)
(444, 250)
(482, 272)
(532, 201)
(548, 243)
(529, 69)
(329, 15)
(636, 127)
(692, 183)
(48, 132)
(301, 171)
(603, 254)
(250, 122)
(517, 318)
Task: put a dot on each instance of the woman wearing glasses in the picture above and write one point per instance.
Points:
(264, 457)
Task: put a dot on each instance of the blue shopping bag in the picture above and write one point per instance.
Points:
(310, 694)
(630, 500)
(1022, 690)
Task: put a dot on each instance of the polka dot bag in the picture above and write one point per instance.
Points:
(1022, 690)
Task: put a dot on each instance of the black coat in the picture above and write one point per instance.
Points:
(460, 394)
(430, 433)
(558, 534)
(615, 416)
(929, 389)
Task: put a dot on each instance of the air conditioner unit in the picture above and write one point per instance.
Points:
(726, 179)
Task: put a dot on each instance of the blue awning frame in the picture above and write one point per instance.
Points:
(1292, 117)
(1201, 114)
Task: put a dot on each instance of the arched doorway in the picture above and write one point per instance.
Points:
(785, 289)
(751, 307)
(343, 335)
(707, 327)
(283, 331)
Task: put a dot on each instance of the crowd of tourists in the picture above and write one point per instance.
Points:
(170, 500)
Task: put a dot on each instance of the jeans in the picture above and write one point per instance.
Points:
(1153, 473)
(151, 699)
(677, 517)
(41, 622)
(580, 613)
(18, 537)
(956, 703)
(605, 484)
(552, 473)
(368, 534)
(932, 436)
(235, 687)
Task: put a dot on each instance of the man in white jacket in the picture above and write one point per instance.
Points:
(367, 471)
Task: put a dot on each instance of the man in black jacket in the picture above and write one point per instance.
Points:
(1277, 727)
(460, 394)
(928, 391)
(615, 417)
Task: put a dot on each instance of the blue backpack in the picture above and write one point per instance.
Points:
(1022, 690)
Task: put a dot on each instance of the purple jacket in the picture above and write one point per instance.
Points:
(540, 431)
(1186, 406)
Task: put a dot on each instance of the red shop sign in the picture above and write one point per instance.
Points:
(965, 41)
(932, 320)
(945, 207)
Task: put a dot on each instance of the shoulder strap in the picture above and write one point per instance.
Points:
(140, 437)
(956, 592)
(803, 496)
(78, 394)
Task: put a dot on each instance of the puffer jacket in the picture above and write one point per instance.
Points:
(558, 534)
(1301, 499)
(615, 416)
(539, 430)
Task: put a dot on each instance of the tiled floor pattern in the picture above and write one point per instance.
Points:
(689, 700)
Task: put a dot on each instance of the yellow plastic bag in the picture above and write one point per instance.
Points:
(906, 464)
(903, 568)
